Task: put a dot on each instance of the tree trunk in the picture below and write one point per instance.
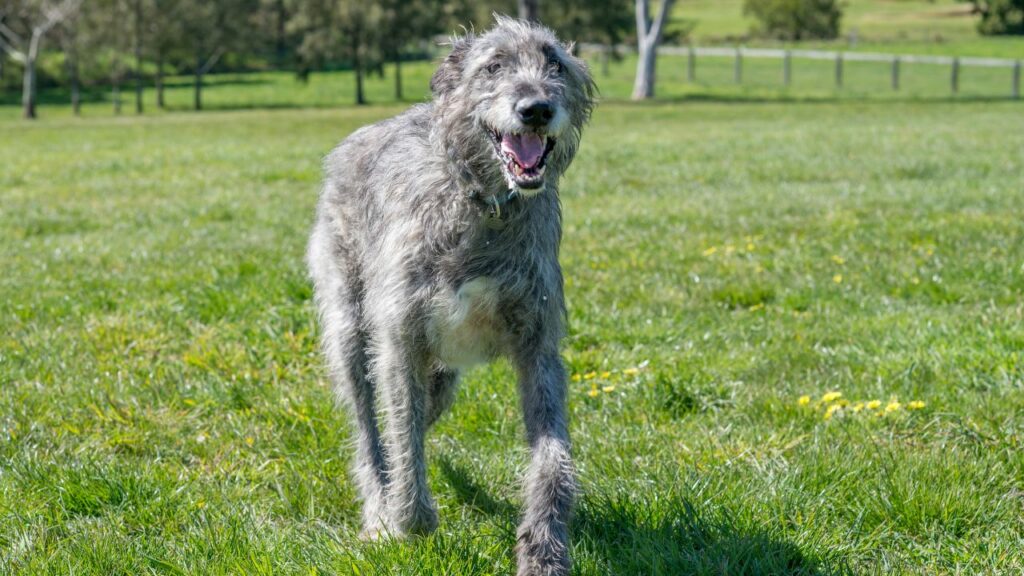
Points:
(28, 89)
(357, 64)
(529, 10)
(197, 102)
(280, 31)
(360, 99)
(643, 87)
(117, 96)
(398, 77)
(138, 56)
(76, 98)
(160, 81)
(648, 37)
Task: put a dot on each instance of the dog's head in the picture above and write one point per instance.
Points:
(514, 101)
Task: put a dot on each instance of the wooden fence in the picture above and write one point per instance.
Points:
(895, 61)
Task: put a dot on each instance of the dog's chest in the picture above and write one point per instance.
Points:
(465, 326)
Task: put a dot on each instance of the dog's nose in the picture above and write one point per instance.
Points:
(535, 113)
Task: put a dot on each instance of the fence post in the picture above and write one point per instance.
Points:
(737, 71)
(691, 64)
(896, 73)
(787, 68)
(954, 79)
(839, 69)
(1016, 79)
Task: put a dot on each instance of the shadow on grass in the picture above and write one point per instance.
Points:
(623, 535)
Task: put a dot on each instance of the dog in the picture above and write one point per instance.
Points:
(435, 248)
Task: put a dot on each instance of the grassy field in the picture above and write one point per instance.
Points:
(163, 408)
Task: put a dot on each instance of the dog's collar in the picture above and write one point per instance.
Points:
(497, 216)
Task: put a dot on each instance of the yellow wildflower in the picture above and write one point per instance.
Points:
(631, 371)
(858, 407)
(838, 259)
(832, 410)
(710, 251)
(838, 278)
(831, 396)
(608, 389)
(756, 307)
(576, 377)
(873, 405)
(593, 392)
(750, 246)
(249, 440)
(892, 406)
(915, 405)
(606, 374)
(804, 400)
(589, 375)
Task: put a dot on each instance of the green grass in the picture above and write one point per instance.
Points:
(163, 408)
(894, 26)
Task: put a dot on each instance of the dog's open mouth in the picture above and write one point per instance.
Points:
(522, 157)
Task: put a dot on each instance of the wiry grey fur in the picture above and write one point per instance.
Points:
(414, 284)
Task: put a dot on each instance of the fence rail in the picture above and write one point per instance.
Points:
(895, 61)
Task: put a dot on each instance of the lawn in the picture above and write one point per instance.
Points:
(163, 408)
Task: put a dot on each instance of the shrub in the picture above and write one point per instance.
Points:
(1000, 17)
(795, 19)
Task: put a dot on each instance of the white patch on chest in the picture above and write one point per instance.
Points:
(465, 328)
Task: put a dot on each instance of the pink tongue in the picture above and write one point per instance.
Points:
(526, 148)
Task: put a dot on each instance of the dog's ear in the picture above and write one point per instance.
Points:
(449, 73)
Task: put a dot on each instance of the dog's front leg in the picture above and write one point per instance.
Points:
(543, 535)
(401, 379)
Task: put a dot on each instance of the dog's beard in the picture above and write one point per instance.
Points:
(522, 157)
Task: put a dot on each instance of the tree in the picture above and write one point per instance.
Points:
(606, 23)
(346, 29)
(406, 21)
(22, 30)
(211, 29)
(795, 19)
(648, 36)
(165, 34)
(1000, 17)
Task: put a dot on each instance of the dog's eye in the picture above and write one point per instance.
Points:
(493, 67)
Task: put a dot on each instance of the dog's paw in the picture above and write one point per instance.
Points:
(420, 521)
(541, 553)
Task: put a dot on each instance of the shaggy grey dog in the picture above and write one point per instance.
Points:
(435, 248)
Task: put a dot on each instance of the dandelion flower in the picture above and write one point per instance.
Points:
(892, 406)
(832, 410)
(915, 405)
(593, 392)
(838, 259)
(710, 251)
(249, 441)
(838, 278)
(858, 407)
(831, 396)
(804, 400)
(608, 389)
(606, 374)
(590, 375)
(873, 405)
(576, 377)
(631, 371)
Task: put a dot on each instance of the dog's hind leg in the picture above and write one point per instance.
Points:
(344, 346)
